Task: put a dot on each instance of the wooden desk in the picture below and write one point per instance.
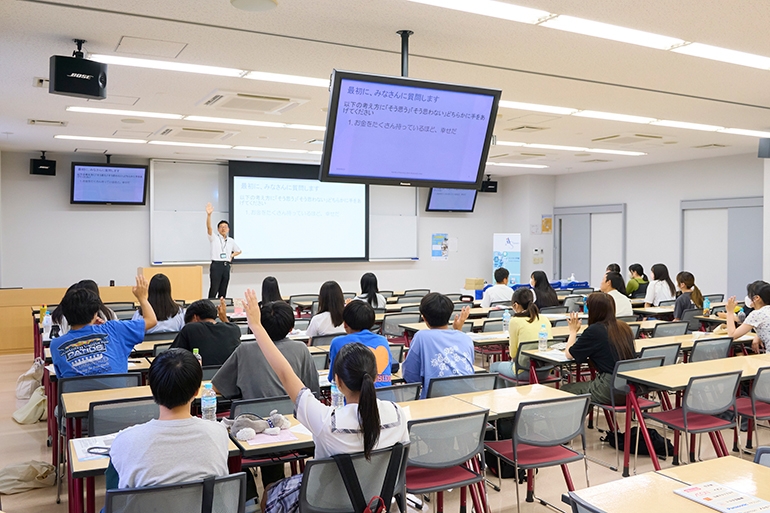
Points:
(76, 404)
(655, 310)
(437, 407)
(303, 441)
(504, 402)
(742, 475)
(686, 341)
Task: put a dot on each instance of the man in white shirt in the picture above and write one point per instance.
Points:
(613, 285)
(498, 292)
(223, 250)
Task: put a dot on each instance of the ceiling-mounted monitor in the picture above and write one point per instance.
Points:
(112, 184)
(451, 200)
(401, 131)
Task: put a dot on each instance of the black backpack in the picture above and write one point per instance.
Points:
(658, 442)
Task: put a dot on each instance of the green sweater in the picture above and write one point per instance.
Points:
(633, 285)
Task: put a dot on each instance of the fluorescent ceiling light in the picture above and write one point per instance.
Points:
(192, 145)
(570, 148)
(686, 125)
(288, 79)
(509, 143)
(613, 32)
(99, 139)
(491, 8)
(167, 65)
(611, 116)
(276, 150)
(554, 147)
(297, 126)
(724, 55)
(506, 164)
(118, 112)
(741, 131)
(616, 152)
(253, 122)
(550, 109)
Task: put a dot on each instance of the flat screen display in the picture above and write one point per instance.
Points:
(283, 213)
(451, 200)
(401, 131)
(118, 184)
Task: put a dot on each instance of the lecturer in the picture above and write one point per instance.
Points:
(223, 250)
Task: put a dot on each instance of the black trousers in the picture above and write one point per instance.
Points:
(219, 272)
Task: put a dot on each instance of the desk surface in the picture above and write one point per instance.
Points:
(437, 407)
(504, 402)
(655, 310)
(742, 475)
(76, 404)
(687, 341)
(303, 441)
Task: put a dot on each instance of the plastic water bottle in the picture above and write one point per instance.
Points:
(47, 324)
(338, 400)
(209, 403)
(197, 355)
(706, 306)
(585, 305)
(741, 315)
(506, 320)
(542, 338)
(572, 278)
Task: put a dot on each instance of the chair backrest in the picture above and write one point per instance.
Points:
(349, 295)
(409, 299)
(670, 329)
(117, 306)
(554, 310)
(386, 293)
(444, 442)
(550, 422)
(669, 352)
(324, 340)
(467, 327)
(124, 315)
(161, 335)
(97, 382)
(209, 371)
(451, 385)
(159, 348)
(180, 302)
(762, 456)
(105, 417)
(710, 349)
(522, 361)
(458, 305)
(321, 360)
(225, 494)
(641, 291)
(626, 318)
(619, 384)
(453, 297)
(417, 292)
(399, 393)
(244, 327)
(397, 352)
(710, 395)
(498, 314)
(309, 298)
(667, 302)
(314, 308)
(714, 298)
(492, 325)
(581, 506)
(501, 304)
(410, 309)
(301, 324)
(635, 329)
(760, 390)
(582, 292)
(717, 309)
(390, 323)
(689, 317)
(262, 406)
(326, 489)
(560, 322)
(571, 302)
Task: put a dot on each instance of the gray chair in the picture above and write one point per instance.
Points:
(180, 302)
(417, 292)
(399, 393)
(453, 297)
(641, 292)
(386, 293)
(467, 327)
(627, 318)
(582, 292)
(397, 352)
(117, 306)
(321, 360)
(209, 371)
(521, 363)
(409, 299)
(710, 349)
(492, 325)
(451, 385)
(106, 417)
(501, 304)
(301, 324)
(756, 407)
(124, 315)
(302, 298)
(669, 352)
(324, 340)
(222, 495)
(581, 506)
(670, 329)
(159, 348)
(162, 335)
(635, 329)
(262, 406)
(559, 323)
(762, 456)
(554, 310)
(457, 306)
(498, 314)
(243, 327)
(410, 309)
(571, 302)
(391, 322)
(688, 316)
(714, 298)
(667, 302)
(349, 295)
(314, 308)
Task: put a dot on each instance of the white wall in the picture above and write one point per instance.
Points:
(46, 242)
(653, 194)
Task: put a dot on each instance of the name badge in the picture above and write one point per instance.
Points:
(223, 255)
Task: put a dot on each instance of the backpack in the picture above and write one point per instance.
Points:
(658, 442)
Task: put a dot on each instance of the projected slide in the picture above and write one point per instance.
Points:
(295, 219)
(451, 200)
(107, 184)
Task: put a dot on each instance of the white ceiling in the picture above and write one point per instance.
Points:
(310, 38)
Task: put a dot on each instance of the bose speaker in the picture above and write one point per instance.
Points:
(42, 167)
(76, 76)
(764, 149)
(488, 186)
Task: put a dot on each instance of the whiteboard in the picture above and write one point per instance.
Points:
(179, 191)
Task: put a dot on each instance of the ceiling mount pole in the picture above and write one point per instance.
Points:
(405, 51)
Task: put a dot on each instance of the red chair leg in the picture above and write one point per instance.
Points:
(477, 506)
(463, 499)
(722, 443)
(567, 478)
(692, 448)
(530, 485)
(610, 423)
(439, 502)
(715, 443)
(749, 438)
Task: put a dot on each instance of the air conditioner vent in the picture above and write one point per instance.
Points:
(526, 129)
(250, 102)
(710, 146)
(595, 160)
(498, 156)
(46, 122)
(173, 133)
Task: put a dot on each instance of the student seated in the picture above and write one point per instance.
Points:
(661, 288)
(758, 320)
(542, 291)
(525, 327)
(500, 291)
(215, 341)
(439, 351)
(603, 343)
(358, 318)
(105, 313)
(613, 268)
(612, 284)
(270, 290)
(364, 424)
(170, 315)
(328, 319)
(176, 447)
(690, 296)
(93, 346)
(370, 292)
(637, 281)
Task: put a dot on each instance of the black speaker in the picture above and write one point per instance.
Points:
(488, 186)
(73, 76)
(42, 167)
(764, 149)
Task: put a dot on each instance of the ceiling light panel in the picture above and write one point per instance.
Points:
(507, 164)
(271, 150)
(99, 139)
(118, 112)
(252, 122)
(288, 79)
(502, 10)
(565, 111)
(612, 32)
(741, 131)
(167, 65)
(611, 116)
(192, 145)
(686, 125)
(716, 53)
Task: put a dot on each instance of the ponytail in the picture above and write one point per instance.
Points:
(688, 280)
(525, 300)
(368, 415)
(696, 296)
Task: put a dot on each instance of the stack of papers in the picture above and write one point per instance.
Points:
(98, 443)
(724, 499)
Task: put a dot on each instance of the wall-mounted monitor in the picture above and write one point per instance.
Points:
(451, 200)
(283, 213)
(401, 131)
(108, 184)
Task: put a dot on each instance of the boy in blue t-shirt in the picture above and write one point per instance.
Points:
(439, 351)
(358, 317)
(93, 346)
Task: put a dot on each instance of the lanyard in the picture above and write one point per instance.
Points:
(223, 243)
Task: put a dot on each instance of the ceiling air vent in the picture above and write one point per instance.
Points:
(710, 146)
(46, 122)
(639, 139)
(173, 133)
(526, 129)
(595, 160)
(250, 102)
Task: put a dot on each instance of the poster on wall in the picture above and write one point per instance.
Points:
(506, 252)
(546, 224)
(439, 244)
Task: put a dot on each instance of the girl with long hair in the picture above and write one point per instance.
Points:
(328, 319)
(105, 313)
(690, 297)
(170, 315)
(637, 281)
(661, 288)
(370, 291)
(270, 290)
(543, 292)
